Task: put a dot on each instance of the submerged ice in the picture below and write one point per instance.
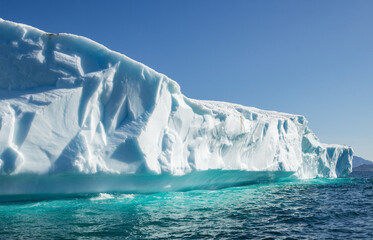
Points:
(70, 105)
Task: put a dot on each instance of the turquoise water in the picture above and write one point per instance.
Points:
(286, 208)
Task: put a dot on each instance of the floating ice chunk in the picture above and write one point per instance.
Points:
(102, 196)
(126, 196)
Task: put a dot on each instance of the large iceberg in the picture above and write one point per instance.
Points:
(70, 105)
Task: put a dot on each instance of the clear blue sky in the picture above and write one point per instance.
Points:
(313, 58)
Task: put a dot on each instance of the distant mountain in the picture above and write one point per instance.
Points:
(364, 167)
(358, 161)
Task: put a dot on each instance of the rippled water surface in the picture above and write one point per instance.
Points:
(312, 209)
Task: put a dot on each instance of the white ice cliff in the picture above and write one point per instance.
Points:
(70, 105)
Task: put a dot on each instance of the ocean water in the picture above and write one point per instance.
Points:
(284, 208)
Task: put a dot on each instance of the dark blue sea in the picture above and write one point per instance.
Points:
(286, 208)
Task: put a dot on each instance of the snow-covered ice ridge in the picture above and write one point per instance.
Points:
(70, 105)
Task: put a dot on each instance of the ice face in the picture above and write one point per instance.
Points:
(70, 105)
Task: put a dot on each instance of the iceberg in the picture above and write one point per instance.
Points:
(69, 105)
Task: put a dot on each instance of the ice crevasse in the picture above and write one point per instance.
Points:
(70, 105)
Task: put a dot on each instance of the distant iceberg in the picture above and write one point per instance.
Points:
(70, 105)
